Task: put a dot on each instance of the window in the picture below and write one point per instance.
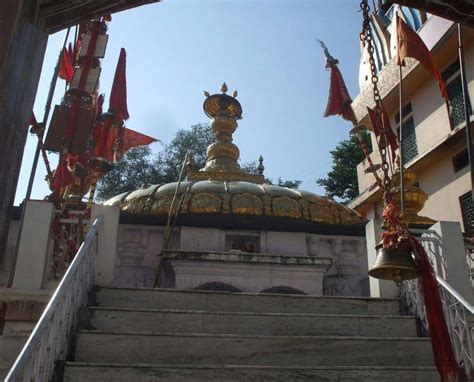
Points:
(409, 146)
(460, 161)
(467, 210)
(241, 242)
(452, 77)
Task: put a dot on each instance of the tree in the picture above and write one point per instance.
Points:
(133, 171)
(251, 168)
(197, 139)
(341, 181)
(139, 166)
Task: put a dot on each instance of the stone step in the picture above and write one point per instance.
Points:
(85, 372)
(193, 321)
(225, 349)
(243, 302)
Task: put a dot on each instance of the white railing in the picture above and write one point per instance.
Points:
(459, 315)
(48, 343)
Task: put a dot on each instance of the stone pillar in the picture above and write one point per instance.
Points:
(450, 254)
(107, 251)
(33, 251)
(22, 48)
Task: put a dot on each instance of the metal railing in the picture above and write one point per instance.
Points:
(470, 261)
(49, 341)
(459, 315)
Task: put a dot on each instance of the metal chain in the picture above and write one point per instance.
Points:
(366, 39)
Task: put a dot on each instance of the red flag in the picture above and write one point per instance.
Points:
(375, 121)
(66, 70)
(378, 125)
(105, 136)
(339, 101)
(411, 45)
(443, 352)
(118, 94)
(132, 138)
(62, 177)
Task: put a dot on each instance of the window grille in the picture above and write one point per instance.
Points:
(452, 77)
(409, 145)
(467, 210)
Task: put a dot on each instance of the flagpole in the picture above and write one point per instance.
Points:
(400, 138)
(467, 116)
(47, 109)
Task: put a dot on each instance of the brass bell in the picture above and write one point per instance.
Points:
(394, 263)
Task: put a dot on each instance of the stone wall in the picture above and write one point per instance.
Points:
(138, 248)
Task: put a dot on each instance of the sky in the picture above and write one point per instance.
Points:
(265, 49)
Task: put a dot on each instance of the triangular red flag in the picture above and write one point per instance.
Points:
(132, 138)
(66, 70)
(118, 94)
(411, 45)
(378, 125)
(339, 101)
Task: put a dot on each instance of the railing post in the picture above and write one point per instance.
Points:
(107, 244)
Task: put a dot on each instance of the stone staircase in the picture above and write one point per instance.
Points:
(173, 335)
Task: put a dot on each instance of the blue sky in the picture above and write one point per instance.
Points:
(265, 49)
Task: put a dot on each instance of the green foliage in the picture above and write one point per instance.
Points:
(341, 181)
(170, 159)
(251, 168)
(134, 170)
(139, 167)
(295, 184)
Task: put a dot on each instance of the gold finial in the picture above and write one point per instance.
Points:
(206, 93)
(260, 167)
(234, 94)
(224, 88)
(223, 155)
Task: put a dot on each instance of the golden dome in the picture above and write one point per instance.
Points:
(222, 188)
(207, 197)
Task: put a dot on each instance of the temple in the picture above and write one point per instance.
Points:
(233, 231)
(222, 275)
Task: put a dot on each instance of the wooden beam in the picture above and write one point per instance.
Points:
(61, 14)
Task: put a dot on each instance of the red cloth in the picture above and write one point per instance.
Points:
(72, 119)
(339, 101)
(66, 70)
(440, 342)
(80, 35)
(62, 177)
(118, 94)
(411, 45)
(378, 125)
(132, 138)
(105, 137)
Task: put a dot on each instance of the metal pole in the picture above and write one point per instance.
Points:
(47, 109)
(400, 138)
(467, 113)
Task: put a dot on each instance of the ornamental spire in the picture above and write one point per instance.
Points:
(223, 155)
